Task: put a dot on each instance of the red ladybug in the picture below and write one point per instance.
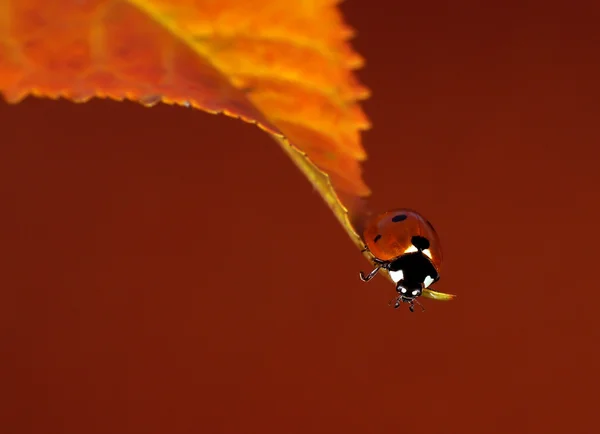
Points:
(405, 244)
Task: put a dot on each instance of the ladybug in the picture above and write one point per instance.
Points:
(405, 244)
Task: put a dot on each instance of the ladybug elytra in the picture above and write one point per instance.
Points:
(405, 244)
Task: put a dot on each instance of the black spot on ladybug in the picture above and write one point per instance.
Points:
(399, 218)
(420, 242)
(377, 238)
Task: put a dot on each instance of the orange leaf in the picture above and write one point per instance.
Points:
(284, 65)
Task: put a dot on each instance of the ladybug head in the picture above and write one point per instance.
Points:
(409, 290)
(408, 293)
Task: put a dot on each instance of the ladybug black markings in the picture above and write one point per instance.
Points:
(421, 243)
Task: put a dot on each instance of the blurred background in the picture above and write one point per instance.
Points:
(169, 271)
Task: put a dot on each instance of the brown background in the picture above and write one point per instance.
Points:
(168, 271)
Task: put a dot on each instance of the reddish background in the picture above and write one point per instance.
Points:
(168, 271)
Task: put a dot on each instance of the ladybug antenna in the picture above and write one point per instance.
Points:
(411, 307)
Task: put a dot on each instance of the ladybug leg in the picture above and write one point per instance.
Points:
(370, 275)
(380, 265)
(411, 304)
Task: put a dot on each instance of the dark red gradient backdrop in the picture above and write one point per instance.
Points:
(169, 271)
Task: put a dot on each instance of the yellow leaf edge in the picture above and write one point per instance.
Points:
(321, 183)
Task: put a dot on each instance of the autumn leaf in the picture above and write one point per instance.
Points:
(284, 65)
